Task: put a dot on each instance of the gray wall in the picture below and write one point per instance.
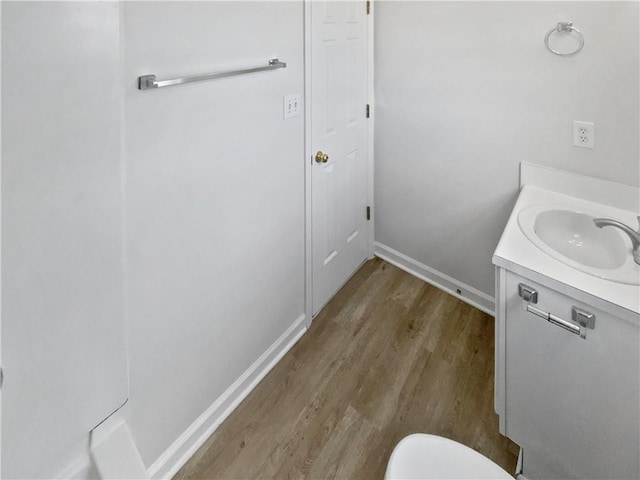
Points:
(214, 204)
(208, 182)
(197, 190)
(63, 335)
(467, 90)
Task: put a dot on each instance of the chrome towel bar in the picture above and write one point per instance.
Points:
(146, 82)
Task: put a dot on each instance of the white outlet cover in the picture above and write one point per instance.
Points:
(583, 134)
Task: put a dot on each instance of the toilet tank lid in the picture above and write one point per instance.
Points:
(424, 456)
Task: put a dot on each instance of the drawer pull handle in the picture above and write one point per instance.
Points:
(580, 329)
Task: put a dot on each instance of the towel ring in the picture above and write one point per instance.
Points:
(564, 27)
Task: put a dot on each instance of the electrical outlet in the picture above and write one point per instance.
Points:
(292, 105)
(583, 134)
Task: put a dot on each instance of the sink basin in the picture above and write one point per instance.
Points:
(575, 236)
(572, 238)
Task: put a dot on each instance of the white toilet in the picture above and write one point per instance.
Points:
(423, 456)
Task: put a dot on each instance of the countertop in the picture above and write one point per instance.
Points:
(517, 254)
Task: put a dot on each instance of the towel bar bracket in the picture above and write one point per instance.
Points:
(147, 81)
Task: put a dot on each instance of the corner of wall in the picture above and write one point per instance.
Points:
(179, 452)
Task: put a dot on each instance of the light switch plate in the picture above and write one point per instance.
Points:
(292, 105)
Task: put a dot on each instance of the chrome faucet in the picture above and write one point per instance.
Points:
(633, 235)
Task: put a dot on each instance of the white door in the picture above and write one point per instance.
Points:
(339, 93)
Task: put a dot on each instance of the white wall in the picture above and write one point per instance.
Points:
(214, 204)
(467, 90)
(63, 345)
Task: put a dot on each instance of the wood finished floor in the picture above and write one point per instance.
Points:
(390, 355)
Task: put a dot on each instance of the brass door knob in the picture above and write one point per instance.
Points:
(322, 157)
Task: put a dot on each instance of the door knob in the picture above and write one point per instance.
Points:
(322, 157)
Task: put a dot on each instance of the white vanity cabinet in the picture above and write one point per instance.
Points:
(567, 386)
(571, 403)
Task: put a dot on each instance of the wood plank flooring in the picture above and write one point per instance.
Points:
(390, 355)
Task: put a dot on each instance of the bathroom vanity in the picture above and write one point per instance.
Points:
(568, 329)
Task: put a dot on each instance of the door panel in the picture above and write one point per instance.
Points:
(338, 128)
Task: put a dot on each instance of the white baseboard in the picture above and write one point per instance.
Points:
(458, 289)
(81, 469)
(519, 474)
(168, 464)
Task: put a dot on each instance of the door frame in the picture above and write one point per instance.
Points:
(308, 154)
